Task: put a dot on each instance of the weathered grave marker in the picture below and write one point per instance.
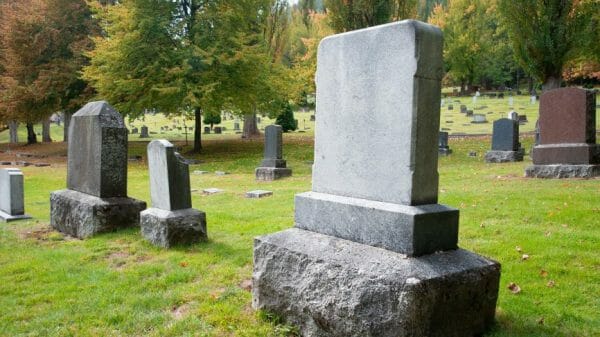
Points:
(12, 205)
(505, 142)
(273, 165)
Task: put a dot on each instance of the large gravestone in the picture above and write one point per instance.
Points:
(273, 165)
(372, 253)
(12, 205)
(96, 196)
(505, 142)
(171, 220)
(443, 147)
(567, 140)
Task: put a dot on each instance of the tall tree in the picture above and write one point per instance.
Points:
(346, 15)
(545, 34)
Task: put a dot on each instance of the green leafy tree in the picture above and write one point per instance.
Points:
(286, 118)
(211, 118)
(545, 34)
(346, 15)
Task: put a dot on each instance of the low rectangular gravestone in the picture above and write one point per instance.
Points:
(12, 205)
(273, 166)
(372, 253)
(207, 129)
(567, 136)
(505, 142)
(171, 220)
(96, 199)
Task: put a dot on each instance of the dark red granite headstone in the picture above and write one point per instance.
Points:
(567, 128)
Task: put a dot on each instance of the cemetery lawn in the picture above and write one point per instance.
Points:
(545, 233)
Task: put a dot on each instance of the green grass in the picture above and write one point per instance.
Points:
(119, 285)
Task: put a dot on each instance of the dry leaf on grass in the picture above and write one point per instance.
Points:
(525, 257)
(543, 273)
(551, 284)
(514, 288)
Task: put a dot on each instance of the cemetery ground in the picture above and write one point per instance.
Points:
(544, 233)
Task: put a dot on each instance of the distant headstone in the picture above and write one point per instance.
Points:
(273, 166)
(134, 131)
(217, 130)
(533, 99)
(469, 113)
(221, 173)
(258, 194)
(511, 101)
(350, 265)
(479, 119)
(96, 196)
(12, 205)
(501, 95)
(463, 108)
(513, 115)
(212, 190)
(567, 145)
(443, 148)
(171, 220)
(144, 133)
(312, 118)
(236, 126)
(505, 142)
(450, 107)
(522, 119)
(207, 129)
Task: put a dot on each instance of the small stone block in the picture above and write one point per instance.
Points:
(258, 194)
(5, 217)
(503, 156)
(83, 215)
(562, 171)
(198, 172)
(212, 191)
(272, 173)
(168, 228)
(221, 173)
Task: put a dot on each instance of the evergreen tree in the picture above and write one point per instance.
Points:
(286, 118)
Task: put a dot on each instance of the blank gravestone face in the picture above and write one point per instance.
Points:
(11, 191)
(378, 94)
(505, 136)
(169, 177)
(97, 163)
(273, 140)
(568, 115)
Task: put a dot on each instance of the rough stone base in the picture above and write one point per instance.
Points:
(82, 215)
(333, 287)
(5, 217)
(444, 151)
(503, 156)
(562, 171)
(272, 173)
(168, 228)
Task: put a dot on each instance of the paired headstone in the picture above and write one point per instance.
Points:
(144, 132)
(12, 205)
(218, 130)
(372, 253)
(134, 131)
(513, 115)
(207, 129)
(505, 142)
(96, 196)
(479, 119)
(171, 220)
(443, 147)
(567, 136)
(236, 126)
(273, 166)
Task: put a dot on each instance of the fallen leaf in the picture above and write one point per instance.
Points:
(551, 284)
(565, 225)
(525, 257)
(547, 234)
(518, 248)
(183, 264)
(543, 273)
(246, 285)
(540, 321)
(482, 225)
(514, 288)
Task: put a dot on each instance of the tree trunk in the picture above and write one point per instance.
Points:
(14, 135)
(530, 88)
(197, 131)
(250, 126)
(462, 89)
(46, 131)
(552, 82)
(66, 122)
(31, 136)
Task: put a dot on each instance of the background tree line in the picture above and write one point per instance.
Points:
(249, 57)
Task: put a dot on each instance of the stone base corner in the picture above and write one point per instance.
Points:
(503, 156)
(272, 173)
(169, 228)
(82, 215)
(442, 151)
(328, 286)
(5, 217)
(562, 171)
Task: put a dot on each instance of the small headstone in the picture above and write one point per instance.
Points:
(567, 142)
(144, 132)
(273, 165)
(501, 95)
(511, 101)
(463, 108)
(207, 129)
(450, 107)
(513, 115)
(96, 196)
(443, 148)
(171, 220)
(479, 119)
(312, 118)
(217, 130)
(41, 164)
(199, 172)
(12, 205)
(522, 119)
(258, 194)
(472, 154)
(469, 113)
(212, 191)
(236, 126)
(505, 142)
(221, 173)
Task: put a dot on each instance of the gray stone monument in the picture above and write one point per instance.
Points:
(96, 196)
(273, 166)
(171, 220)
(236, 126)
(12, 205)
(372, 253)
(479, 119)
(207, 129)
(505, 142)
(144, 132)
(443, 147)
(218, 130)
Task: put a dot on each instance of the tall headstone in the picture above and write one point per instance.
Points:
(12, 205)
(144, 132)
(567, 136)
(236, 126)
(171, 220)
(96, 196)
(443, 147)
(273, 166)
(372, 253)
(513, 115)
(505, 142)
